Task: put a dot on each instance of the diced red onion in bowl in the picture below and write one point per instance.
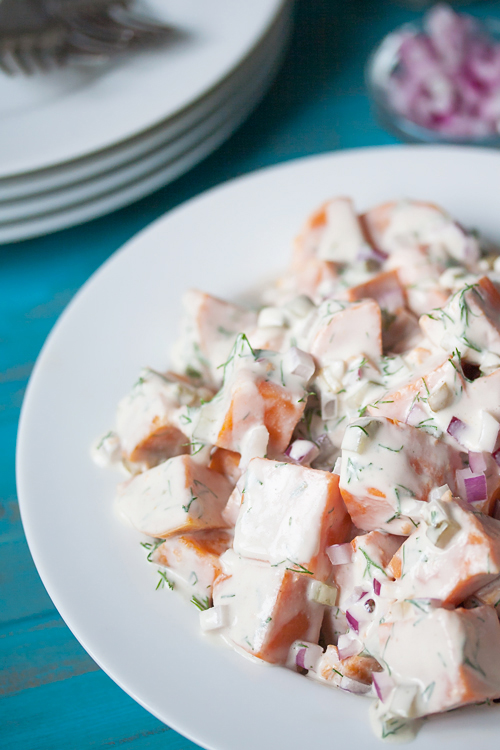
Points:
(447, 76)
(496, 456)
(377, 586)
(472, 487)
(340, 554)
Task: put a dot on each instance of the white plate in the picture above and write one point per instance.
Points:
(157, 151)
(159, 175)
(126, 317)
(47, 120)
(33, 184)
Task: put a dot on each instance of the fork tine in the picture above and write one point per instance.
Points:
(12, 58)
(93, 32)
(6, 61)
(81, 43)
(137, 21)
(103, 30)
(24, 55)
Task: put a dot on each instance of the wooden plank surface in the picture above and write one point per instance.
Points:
(52, 695)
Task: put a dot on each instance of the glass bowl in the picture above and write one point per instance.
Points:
(382, 64)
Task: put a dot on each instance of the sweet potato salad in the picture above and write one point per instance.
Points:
(320, 473)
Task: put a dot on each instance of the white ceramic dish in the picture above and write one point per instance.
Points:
(52, 119)
(160, 172)
(126, 316)
(28, 187)
(160, 151)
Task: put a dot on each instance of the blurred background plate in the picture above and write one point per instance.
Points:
(68, 114)
(81, 202)
(53, 178)
(157, 151)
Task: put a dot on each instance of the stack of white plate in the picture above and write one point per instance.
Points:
(80, 142)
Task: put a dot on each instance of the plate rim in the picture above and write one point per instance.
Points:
(142, 185)
(128, 249)
(127, 150)
(24, 166)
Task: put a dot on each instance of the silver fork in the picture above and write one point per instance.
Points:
(40, 35)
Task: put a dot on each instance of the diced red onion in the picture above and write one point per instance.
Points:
(353, 686)
(324, 441)
(472, 487)
(305, 655)
(383, 684)
(340, 554)
(415, 415)
(376, 587)
(300, 363)
(496, 456)
(357, 595)
(352, 621)
(477, 463)
(367, 252)
(299, 659)
(456, 429)
(448, 77)
(348, 647)
(302, 451)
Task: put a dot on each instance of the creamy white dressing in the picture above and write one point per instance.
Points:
(335, 362)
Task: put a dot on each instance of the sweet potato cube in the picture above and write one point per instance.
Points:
(400, 332)
(310, 276)
(371, 555)
(343, 330)
(386, 466)
(469, 322)
(227, 463)
(290, 513)
(489, 594)
(396, 225)
(194, 559)
(268, 607)
(433, 400)
(152, 421)
(432, 566)
(258, 406)
(385, 288)
(407, 402)
(177, 496)
(451, 657)
(208, 331)
(333, 233)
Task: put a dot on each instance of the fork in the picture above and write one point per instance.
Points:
(40, 35)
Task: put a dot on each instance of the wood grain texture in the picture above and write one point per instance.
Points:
(83, 712)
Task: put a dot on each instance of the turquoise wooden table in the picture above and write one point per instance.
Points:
(52, 695)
